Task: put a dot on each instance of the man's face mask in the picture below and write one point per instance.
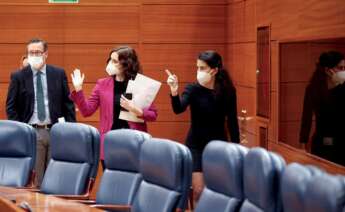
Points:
(35, 61)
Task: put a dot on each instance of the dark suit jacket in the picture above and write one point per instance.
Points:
(21, 95)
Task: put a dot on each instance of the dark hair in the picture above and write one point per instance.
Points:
(318, 81)
(38, 40)
(330, 59)
(128, 60)
(223, 82)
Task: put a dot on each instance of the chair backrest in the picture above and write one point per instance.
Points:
(325, 193)
(166, 167)
(121, 177)
(262, 171)
(223, 174)
(74, 161)
(293, 185)
(17, 153)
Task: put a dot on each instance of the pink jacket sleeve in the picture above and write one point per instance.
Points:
(86, 106)
(150, 113)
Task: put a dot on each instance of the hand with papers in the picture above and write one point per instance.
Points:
(144, 91)
(130, 106)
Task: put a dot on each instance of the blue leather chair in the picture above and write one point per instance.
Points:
(325, 193)
(17, 153)
(262, 171)
(223, 175)
(73, 166)
(121, 177)
(293, 185)
(166, 167)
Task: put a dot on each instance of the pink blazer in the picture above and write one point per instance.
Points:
(102, 96)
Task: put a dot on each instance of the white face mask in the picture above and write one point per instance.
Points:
(111, 69)
(35, 61)
(340, 75)
(203, 77)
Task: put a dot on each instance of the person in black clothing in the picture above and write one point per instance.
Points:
(212, 101)
(325, 98)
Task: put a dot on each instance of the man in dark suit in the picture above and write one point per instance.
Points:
(38, 95)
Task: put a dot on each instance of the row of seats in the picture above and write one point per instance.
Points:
(150, 174)
(141, 173)
(74, 157)
(255, 180)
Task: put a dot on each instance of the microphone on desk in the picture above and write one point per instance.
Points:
(25, 205)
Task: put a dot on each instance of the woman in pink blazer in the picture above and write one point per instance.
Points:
(122, 65)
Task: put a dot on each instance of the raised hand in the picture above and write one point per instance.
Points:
(77, 80)
(172, 81)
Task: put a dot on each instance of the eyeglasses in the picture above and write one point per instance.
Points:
(35, 53)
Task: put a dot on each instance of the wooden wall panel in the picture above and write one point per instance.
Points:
(182, 2)
(170, 130)
(111, 24)
(81, 2)
(3, 96)
(291, 101)
(21, 23)
(249, 29)
(289, 131)
(311, 22)
(235, 22)
(179, 58)
(242, 63)
(10, 55)
(298, 67)
(183, 24)
(70, 24)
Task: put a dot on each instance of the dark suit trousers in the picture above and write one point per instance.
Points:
(43, 154)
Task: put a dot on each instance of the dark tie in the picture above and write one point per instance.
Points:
(41, 112)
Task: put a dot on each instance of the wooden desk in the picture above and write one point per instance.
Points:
(41, 202)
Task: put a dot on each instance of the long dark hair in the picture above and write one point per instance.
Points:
(128, 60)
(223, 83)
(318, 81)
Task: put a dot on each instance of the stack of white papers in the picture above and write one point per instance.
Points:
(144, 91)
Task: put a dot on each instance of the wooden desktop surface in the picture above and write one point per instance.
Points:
(41, 202)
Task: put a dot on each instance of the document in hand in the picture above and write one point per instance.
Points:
(144, 91)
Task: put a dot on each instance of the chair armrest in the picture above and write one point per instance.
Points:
(31, 189)
(84, 196)
(87, 202)
(71, 197)
(124, 208)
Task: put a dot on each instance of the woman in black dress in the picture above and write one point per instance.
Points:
(325, 98)
(212, 101)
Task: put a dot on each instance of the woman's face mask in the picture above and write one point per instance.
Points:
(203, 77)
(340, 75)
(111, 69)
